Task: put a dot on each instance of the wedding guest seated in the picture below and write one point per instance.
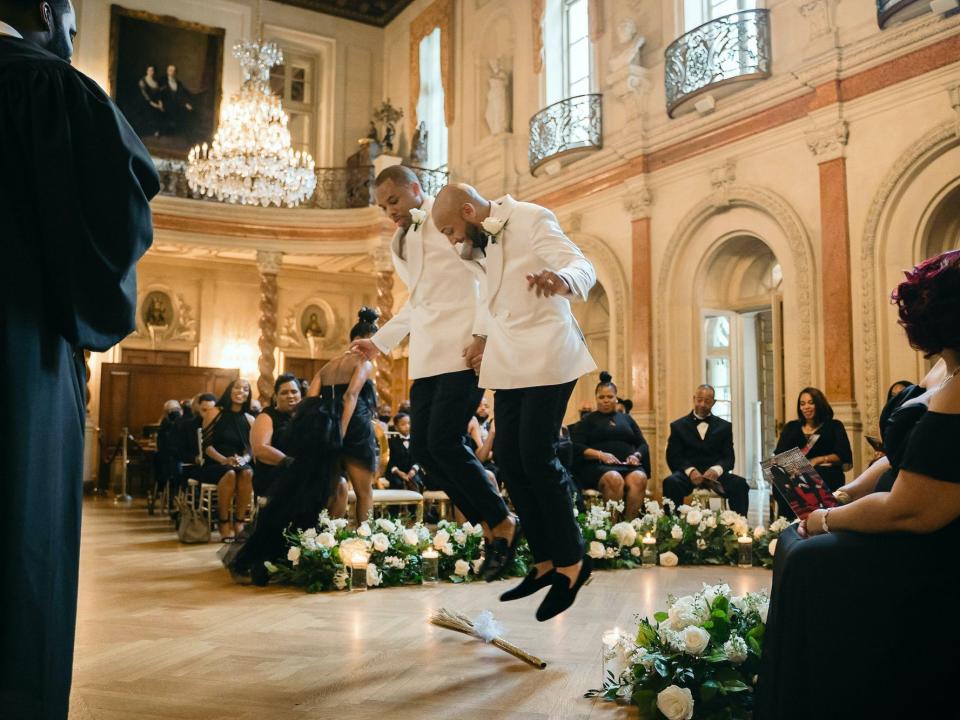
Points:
(269, 434)
(188, 446)
(819, 436)
(481, 435)
(402, 472)
(624, 405)
(898, 387)
(227, 452)
(700, 454)
(846, 576)
(610, 452)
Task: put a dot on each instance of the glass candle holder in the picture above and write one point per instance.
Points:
(358, 572)
(648, 554)
(615, 657)
(431, 565)
(744, 551)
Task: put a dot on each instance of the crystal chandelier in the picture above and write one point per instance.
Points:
(250, 161)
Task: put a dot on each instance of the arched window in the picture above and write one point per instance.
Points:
(430, 105)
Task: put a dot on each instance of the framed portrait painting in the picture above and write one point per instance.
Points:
(166, 77)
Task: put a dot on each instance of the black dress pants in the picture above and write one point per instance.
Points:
(677, 486)
(528, 426)
(440, 408)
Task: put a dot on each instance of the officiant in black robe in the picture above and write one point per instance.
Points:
(75, 182)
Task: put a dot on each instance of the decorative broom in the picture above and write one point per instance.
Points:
(483, 627)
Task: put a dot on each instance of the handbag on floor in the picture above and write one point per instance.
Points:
(193, 527)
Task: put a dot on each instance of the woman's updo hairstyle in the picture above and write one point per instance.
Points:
(606, 381)
(929, 304)
(367, 324)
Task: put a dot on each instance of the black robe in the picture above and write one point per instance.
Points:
(75, 183)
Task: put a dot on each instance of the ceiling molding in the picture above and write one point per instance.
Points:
(378, 13)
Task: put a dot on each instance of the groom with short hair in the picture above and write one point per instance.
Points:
(532, 355)
(438, 317)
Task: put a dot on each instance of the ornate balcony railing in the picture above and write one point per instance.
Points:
(564, 127)
(900, 10)
(337, 187)
(731, 49)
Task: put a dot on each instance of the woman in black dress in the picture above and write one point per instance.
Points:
(226, 456)
(864, 594)
(345, 387)
(820, 436)
(610, 453)
(269, 435)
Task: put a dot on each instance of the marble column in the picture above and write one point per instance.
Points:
(827, 142)
(383, 268)
(268, 263)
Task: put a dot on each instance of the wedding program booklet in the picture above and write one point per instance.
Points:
(797, 483)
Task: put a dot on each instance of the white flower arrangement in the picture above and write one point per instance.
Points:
(381, 542)
(698, 659)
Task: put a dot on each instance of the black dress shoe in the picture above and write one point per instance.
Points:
(500, 556)
(529, 585)
(561, 595)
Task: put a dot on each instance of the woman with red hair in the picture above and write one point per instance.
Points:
(866, 593)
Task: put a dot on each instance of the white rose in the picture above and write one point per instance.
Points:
(675, 702)
(758, 532)
(684, 509)
(364, 530)
(711, 521)
(694, 516)
(477, 564)
(386, 525)
(467, 527)
(293, 555)
(695, 639)
(669, 559)
(310, 543)
(310, 533)
(448, 549)
(635, 551)
(461, 568)
(735, 649)
(676, 532)
(410, 537)
(728, 517)
(624, 533)
(380, 542)
(687, 610)
(326, 540)
(440, 539)
(373, 575)
(339, 523)
(597, 551)
(710, 592)
(423, 532)
(772, 547)
(478, 529)
(493, 225)
(611, 553)
(418, 216)
(460, 537)
(601, 534)
(740, 528)
(350, 547)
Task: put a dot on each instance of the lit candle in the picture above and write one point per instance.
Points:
(615, 659)
(649, 552)
(744, 551)
(358, 571)
(431, 565)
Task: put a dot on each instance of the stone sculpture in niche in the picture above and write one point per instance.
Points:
(498, 99)
(632, 42)
(156, 310)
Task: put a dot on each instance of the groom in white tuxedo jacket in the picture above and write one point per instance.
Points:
(533, 354)
(439, 317)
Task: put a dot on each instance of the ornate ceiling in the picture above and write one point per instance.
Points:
(371, 12)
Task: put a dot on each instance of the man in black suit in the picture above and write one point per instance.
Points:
(700, 454)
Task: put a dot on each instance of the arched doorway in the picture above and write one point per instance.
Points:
(740, 298)
(593, 317)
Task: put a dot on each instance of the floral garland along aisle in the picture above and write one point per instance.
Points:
(318, 559)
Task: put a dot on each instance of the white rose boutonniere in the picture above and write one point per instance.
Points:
(493, 226)
(418, 216)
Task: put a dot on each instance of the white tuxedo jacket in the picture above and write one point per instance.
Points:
(531, 341)
(441, 311)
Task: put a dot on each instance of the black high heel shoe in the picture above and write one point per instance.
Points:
(529, 585)
(561, 595)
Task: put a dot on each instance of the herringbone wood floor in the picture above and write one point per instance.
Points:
(163, 633)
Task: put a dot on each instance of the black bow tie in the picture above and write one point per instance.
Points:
(481, 243)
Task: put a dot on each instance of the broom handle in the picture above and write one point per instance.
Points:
(518, 653)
